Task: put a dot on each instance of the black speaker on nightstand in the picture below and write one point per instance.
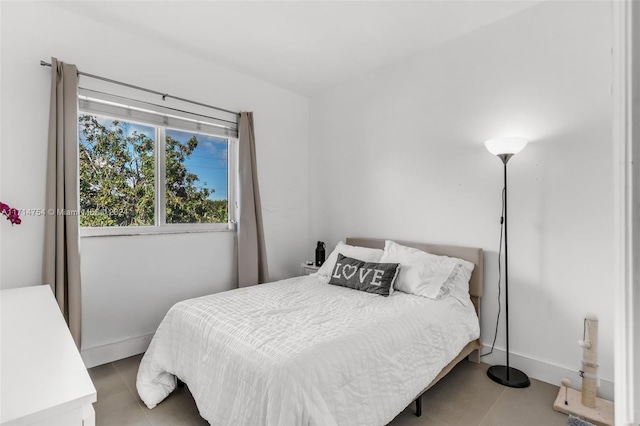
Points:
(320, 253)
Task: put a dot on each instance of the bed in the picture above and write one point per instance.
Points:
(303, 352)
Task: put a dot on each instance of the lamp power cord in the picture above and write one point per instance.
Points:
(495, 335)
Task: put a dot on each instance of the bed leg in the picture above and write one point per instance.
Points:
(419, 406)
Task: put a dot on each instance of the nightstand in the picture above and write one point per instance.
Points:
(309, 269)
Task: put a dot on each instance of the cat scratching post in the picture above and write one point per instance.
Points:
(589, 370)
(586, 404)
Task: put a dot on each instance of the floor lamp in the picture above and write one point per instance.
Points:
(505, 148)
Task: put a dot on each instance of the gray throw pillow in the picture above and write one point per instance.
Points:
(371, 277)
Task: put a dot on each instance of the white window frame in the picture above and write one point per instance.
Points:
(109, 106)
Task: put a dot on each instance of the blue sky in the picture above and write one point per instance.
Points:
(208, 161)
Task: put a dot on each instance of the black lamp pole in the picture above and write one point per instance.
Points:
(504, 374)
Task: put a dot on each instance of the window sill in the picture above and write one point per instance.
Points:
(153, 230)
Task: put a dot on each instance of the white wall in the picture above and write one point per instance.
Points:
(123, 305)
(399, 153)
(129, 282)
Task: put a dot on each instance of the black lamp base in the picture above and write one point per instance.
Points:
(508, 376)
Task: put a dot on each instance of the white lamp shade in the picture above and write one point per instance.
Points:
(510, 145)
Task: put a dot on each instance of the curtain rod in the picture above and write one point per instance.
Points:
(164, 95)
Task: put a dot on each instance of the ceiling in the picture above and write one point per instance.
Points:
(303, 46)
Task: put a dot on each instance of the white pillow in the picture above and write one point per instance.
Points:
(361, 253)
(442, 275)
(457, 285)
(421, 273)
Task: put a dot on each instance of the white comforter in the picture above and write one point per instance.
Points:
(303, 352)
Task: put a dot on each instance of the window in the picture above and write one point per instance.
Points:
(148, 171)
(196, 178)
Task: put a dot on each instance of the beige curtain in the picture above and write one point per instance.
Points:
(252, 255)
(62, 231)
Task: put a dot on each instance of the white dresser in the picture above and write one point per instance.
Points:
(43, 379)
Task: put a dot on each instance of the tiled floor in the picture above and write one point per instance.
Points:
(466, 396)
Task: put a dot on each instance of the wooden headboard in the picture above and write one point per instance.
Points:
(471, 254)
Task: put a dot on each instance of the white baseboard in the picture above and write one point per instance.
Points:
(99, 355)
(543, 371)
